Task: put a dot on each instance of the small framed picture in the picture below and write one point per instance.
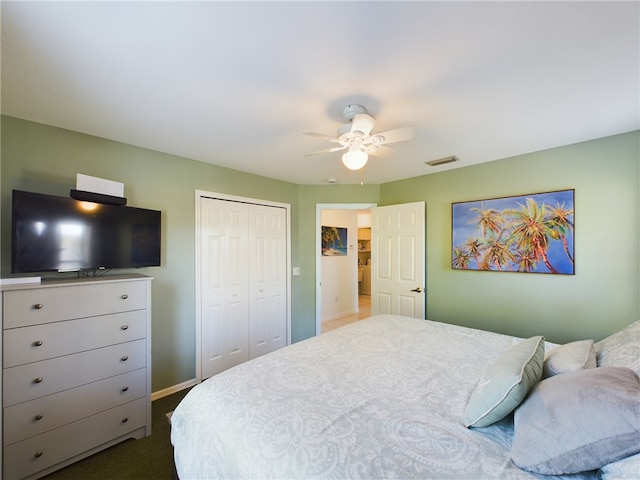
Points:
(334, 241)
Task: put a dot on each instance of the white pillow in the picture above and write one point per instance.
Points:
(625, 469)
(622, 349)
(569, 358)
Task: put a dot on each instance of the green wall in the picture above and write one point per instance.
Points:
(599, 299)
(44, 159)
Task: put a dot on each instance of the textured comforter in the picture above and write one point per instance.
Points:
(380, 398)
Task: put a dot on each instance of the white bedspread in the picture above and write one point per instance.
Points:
(380, 398)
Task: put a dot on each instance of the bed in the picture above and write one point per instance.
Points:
(391, 397)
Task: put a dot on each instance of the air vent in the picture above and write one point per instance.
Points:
(442, 161)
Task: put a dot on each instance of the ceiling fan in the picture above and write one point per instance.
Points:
(357, 139)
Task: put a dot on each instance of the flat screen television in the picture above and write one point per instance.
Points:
(52, 233)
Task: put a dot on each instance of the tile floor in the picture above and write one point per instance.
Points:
(364, 304)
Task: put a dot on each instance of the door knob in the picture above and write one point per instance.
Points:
(417, 290)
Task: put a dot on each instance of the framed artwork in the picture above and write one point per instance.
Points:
(334, 241)
(527, 233)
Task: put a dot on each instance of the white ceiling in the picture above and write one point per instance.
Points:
(237, 83)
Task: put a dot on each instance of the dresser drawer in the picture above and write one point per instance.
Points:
(40, 342)
(45, 305)
(43, 451)
(32, 418)
(34, 380)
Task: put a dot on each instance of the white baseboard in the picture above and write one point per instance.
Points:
(171, 390)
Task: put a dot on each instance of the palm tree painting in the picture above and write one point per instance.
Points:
(528, 233)
(334, 241)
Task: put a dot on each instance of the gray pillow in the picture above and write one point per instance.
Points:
(578, 421)
(569, 358)
(505, 383)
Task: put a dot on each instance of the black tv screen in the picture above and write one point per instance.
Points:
(51, 233)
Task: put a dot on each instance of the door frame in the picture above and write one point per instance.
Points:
(198, 270)
(319, 208)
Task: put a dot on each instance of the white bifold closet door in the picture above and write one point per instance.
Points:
(244, 288)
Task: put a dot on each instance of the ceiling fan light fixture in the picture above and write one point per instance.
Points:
(356, 136)
(355, 159)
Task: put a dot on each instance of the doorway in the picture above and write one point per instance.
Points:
(353, 244)
(398, 253)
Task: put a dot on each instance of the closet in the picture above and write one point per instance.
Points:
(243, 281)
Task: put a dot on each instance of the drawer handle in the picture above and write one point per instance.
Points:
(38, 306)
(125, 419)
(38, 380)
(124, 359)
(38, 417)
(124, 296)
(124, 389)
(38, 454)
(124, 327)
(37, 343)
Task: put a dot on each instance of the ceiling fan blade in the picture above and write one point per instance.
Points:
(362, 122)
(321, 136)
(328, 150)
(397, 135)
(382, 151)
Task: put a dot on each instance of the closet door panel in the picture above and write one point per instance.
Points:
(224, 272)
(267, 283)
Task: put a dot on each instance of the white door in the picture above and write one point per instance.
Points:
(224, 280)
(268, 279)
(397, 257)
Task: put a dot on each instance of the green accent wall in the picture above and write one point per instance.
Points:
(599, 299)
(44, 159)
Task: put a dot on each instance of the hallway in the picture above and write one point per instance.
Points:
(364, 305)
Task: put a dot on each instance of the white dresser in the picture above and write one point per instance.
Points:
(76, 370)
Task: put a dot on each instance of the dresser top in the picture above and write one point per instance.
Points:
(60, 282)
